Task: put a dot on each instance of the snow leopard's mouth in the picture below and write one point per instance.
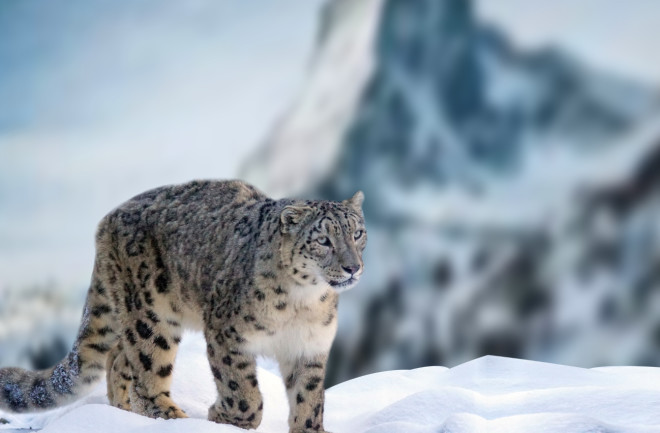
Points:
(339, 285)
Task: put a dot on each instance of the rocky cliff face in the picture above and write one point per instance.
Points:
(511, 196)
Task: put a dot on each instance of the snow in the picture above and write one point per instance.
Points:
(489, 394)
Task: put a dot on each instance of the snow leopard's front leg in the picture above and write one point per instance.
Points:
(235, 372)
(303, 379)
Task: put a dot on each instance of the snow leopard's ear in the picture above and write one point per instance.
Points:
(355, 202)
(293, 217)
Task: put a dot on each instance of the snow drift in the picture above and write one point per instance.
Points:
(489, 394)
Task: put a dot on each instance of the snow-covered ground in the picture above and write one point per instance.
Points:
(489, 394)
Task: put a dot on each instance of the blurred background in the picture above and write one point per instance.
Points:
(509, 151)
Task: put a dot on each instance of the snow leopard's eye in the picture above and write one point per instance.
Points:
(323, 240)
(358, 234)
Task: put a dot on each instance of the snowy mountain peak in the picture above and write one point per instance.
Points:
(511, 204)
(423, 92)
(302, 148)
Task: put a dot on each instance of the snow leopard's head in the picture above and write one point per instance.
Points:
(323, 241)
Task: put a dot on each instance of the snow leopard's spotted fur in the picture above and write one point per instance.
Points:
(258, 276)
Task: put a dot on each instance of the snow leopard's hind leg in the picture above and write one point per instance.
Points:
(119, 378)
(149, 317)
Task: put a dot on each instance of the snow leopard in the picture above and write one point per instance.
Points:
(257, 276)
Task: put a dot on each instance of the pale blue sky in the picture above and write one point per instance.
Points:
(622, 37)
(100, 100)
(79, 62)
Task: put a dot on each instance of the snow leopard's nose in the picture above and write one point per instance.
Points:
(352, 269)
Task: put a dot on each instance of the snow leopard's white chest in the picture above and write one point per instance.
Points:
(305, 332)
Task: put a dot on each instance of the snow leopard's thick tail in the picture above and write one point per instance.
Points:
(30, 391)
